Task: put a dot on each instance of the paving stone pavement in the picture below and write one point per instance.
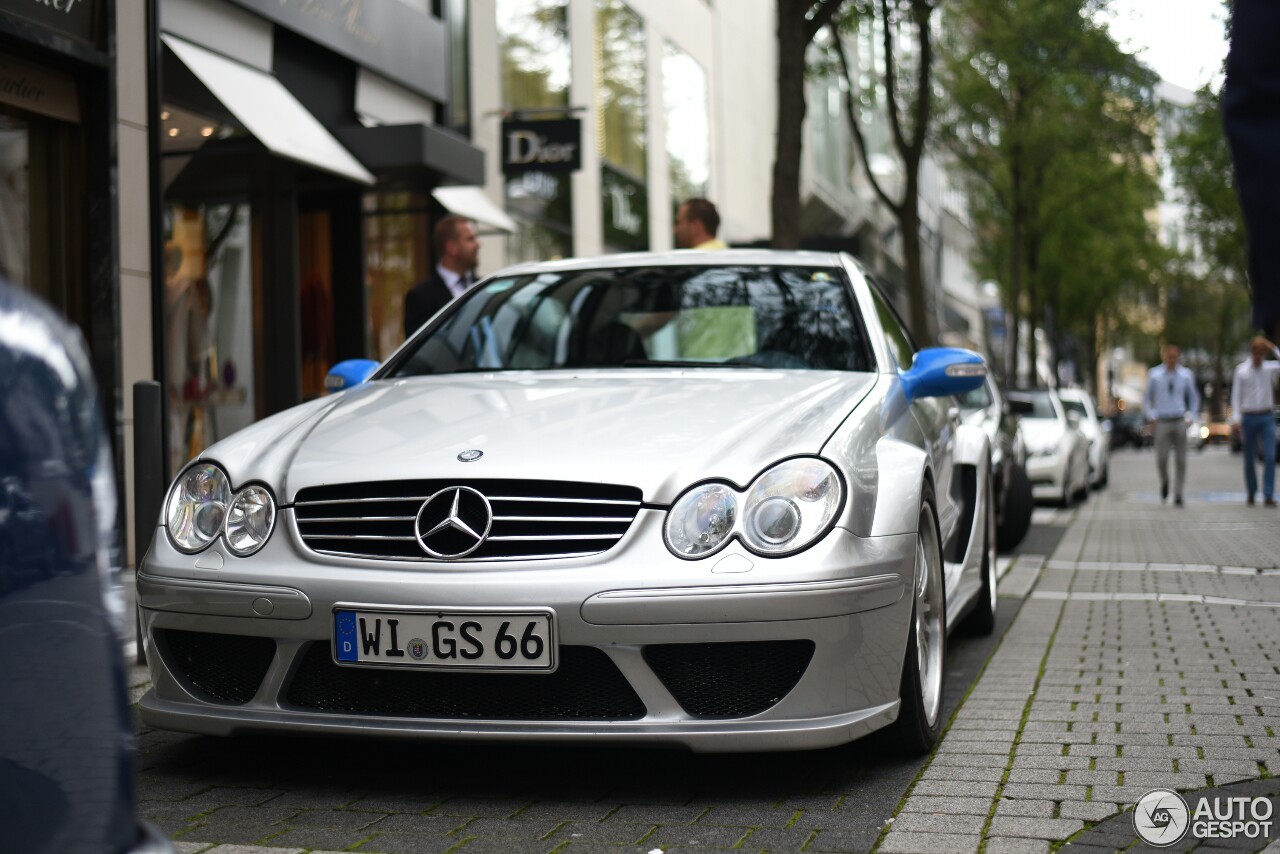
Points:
(1146, 655)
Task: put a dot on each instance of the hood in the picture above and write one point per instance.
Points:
(1038, 433)
(658, 430)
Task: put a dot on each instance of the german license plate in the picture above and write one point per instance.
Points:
(446, 640)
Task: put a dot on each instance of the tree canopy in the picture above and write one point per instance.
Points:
(1052, 123)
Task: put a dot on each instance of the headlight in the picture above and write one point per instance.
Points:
(701, 521)
(786, 509)
(250, 519)
(197, 506)
(791, 505)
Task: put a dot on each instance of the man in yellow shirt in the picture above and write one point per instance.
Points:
(697, 222)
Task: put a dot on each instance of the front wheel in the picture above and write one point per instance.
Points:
(1018, 504)
(919, 721)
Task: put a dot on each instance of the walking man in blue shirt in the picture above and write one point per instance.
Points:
(1253, 404)
(1171, 401)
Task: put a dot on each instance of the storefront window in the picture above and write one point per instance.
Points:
(684, 96)
(42, 225)
(534, 43)
(315, 301)
(15, 201)
(620, 87)
(209, 325)
(397, 257)
(533, 38)
(622, 95)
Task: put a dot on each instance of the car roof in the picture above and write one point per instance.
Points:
(682, 258)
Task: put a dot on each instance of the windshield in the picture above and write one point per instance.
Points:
(978, 398)
(1041, 404)
(799, 318)
(1075, 406)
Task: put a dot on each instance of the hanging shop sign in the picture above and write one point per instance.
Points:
(544, 146)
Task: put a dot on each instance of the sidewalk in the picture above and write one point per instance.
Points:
(1146, 655)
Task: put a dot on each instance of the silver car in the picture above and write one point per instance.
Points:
(1098, 432)
(1057, 450)
(715, 500)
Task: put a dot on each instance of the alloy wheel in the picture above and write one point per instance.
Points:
(929, 609)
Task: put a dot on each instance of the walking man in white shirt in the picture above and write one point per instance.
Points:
(1252, 413)
(1171, 401)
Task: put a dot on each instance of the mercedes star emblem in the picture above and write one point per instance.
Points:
(470, 456)
(453, 523)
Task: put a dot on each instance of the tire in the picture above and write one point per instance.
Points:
(1106, 476)
(919, 722)
(1018, 504)
(982, 620)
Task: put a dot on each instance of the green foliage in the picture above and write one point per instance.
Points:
(1201, 165)
(1207, 300)
(1053, 125)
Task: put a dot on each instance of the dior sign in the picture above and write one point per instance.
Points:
(545, 146)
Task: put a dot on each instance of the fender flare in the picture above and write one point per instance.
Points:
(901, 469)
(972, 448)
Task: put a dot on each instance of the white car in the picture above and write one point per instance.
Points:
(709, 499)
(1097, 431)
(1057, 450)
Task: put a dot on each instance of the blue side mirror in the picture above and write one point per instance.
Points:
(349, 374)
(943, 371)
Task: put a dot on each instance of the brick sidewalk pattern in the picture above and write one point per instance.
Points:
(1146, 655)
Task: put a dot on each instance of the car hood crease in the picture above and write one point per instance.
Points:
(659, 430)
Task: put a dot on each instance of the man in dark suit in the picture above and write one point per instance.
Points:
(456, 250)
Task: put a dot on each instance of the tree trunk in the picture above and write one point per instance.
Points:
(1015, 268)
(793, 41)
(909, 222)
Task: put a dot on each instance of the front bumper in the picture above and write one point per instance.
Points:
(845, 597)
(1047, 475)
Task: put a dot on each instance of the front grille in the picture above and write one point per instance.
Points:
(586, 686)
(729, 680)
(217, 668)
(531, 519)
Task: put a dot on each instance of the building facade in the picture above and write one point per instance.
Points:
(674, 102)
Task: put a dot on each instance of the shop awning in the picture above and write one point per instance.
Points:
(269, 111)
(472, 203)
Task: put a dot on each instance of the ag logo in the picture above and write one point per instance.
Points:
(1161, 817)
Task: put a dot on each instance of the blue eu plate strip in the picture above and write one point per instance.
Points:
(344, 635)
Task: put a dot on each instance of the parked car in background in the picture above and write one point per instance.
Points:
(1219, 433)
(986, 408)
(1057, 449)
(1095, 430)
(66, 763)
(1129, 429)
(708, 499)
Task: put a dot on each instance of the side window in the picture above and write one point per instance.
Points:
(895, 332)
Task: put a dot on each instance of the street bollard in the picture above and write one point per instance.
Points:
(148, 481)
